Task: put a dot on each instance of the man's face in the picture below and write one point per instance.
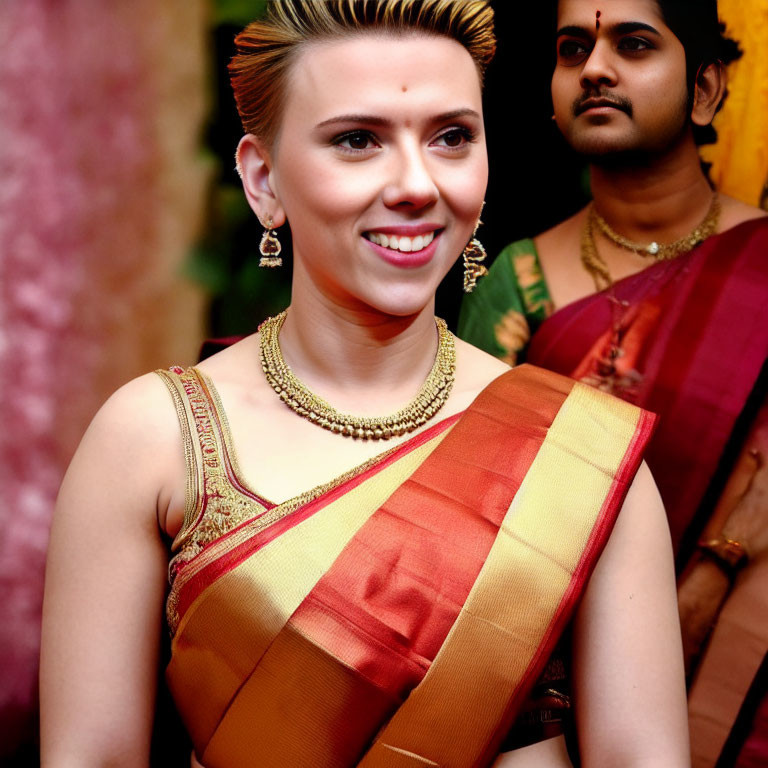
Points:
(619, 86)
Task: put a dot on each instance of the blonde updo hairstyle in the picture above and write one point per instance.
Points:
(266, 48)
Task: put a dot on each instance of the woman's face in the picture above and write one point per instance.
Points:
(380, 167)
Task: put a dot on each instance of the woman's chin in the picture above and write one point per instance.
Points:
(401, 301)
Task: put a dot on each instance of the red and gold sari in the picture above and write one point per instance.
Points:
(693, 335)
(400, 614)
(694, 340)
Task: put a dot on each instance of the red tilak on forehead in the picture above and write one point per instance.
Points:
(597, 20)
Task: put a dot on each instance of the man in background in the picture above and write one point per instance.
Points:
(657, 292)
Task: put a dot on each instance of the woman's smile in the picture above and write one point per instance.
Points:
(381, 141)
(407, 245)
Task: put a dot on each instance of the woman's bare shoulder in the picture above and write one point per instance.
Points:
(475, 369)
(478, 363)
(240, 362)
(138, 419)
(133, 448)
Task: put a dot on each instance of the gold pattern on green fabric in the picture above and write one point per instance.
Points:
(513, 334)
(530, 280)
(509, 304)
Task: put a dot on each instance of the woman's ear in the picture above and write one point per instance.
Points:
(709, 90)
(254, 166)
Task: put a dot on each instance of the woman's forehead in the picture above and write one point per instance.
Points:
(379, 69)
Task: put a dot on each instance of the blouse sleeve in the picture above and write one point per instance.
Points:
(507, 305)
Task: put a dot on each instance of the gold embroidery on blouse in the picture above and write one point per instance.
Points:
(210, 554)
(220, 507)
(213, 506)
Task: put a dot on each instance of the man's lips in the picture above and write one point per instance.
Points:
(593, 103)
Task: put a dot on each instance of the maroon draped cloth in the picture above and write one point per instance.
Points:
(694, 335)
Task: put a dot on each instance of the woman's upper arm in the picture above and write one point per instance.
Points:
(105, 582)
(629, 686)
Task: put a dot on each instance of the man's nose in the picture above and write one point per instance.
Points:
(599, 68)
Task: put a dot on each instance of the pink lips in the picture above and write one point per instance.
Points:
(411, 259)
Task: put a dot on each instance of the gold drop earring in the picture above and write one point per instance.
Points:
(270, 246)
(474, 255)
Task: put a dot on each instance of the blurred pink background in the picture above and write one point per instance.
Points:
(102, 190)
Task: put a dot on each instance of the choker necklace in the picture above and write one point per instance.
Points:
(430, 399)
(596, 265)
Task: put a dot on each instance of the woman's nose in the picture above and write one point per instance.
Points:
(411, 184)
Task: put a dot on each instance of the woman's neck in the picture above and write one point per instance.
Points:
(661, 201)
(358, 359)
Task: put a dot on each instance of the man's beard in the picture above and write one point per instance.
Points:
(637, 151)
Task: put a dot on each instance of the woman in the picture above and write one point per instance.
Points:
(377, 618)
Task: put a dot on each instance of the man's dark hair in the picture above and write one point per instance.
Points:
(695, 24)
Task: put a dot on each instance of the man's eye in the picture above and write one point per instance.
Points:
(634, 44)
(571, 51)
(356, 141)
(455, 138)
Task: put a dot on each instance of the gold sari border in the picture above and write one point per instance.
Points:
(232, 623)
(233, 547)
(549, 542)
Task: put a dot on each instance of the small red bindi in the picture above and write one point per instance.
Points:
(597, 20)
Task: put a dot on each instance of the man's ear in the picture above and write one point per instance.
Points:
(709, 90)
(254, 166)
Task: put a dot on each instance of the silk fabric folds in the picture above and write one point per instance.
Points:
(397, 616)
(697, 333)
(694, 333)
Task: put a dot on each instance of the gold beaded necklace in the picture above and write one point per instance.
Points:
(596, 265)
(430, 399)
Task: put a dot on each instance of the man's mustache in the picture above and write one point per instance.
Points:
(589, 99)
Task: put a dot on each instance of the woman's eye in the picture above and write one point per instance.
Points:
(571, 51)
(356, 141)
(455, 138)
(634, 44)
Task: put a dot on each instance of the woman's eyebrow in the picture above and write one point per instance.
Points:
(359, 119)
(362, 119)
(454, 113)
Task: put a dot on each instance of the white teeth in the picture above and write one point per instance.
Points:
(402, 243)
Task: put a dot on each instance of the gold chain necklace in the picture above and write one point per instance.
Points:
(596, 265)
(430, 399)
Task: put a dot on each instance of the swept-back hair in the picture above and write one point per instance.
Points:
(267, 47)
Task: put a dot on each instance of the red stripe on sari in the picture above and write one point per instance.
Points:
(700, 360)
(230, 560)
(389, 619)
